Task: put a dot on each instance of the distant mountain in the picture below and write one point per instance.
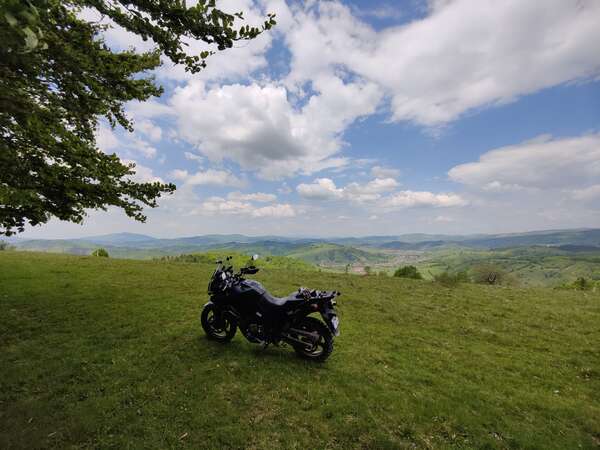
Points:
(332, 250)
(424, 245)
(118, 239)
(551, 238)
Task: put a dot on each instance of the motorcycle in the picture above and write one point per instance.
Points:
(236, 302)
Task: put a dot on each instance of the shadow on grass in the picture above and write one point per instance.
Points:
(240, 350)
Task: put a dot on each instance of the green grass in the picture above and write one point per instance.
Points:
(239, 259)
(105, 353)
(337, 255)
(528, 266)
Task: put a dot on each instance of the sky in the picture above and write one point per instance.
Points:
(354, 118)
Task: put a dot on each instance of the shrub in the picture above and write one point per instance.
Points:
(490, 274)
(100, 252)
(408, 272)
(451, 279)
(367, 270)
(3, 245)
(581, 284)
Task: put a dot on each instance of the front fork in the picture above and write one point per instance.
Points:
(222, 313)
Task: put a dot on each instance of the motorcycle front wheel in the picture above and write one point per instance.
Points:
(219, 327)
(322, 348)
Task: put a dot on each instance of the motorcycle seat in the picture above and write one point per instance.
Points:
(281, 301)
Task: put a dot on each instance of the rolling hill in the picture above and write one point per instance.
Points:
(569, 254)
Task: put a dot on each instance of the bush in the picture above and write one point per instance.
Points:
(580, 284)
(451, 279)
(100, 252)
(3, 245)
(490, 274)
(408, 272)
(367, 270)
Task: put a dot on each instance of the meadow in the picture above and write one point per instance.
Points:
(106, 353)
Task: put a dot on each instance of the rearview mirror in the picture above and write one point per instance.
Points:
(254, 257)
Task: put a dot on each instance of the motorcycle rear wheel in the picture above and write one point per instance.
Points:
(218, 329)
(324, 345)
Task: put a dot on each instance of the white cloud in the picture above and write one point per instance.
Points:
(207, 177)
(139, 146)
(465, 54)
(127, 145)
(255, 197)
(193, 157)
(373, 195)
(106, 139)
(384, 172)
(320, 189)
(279, 210)
(143, 174)
(385, 11)
(234, 63)
(325, 189)
(411, 199)
(149, 109)
(588, 194)
(539, 164)
(149, 129)
(376, 186)
(219, 205)
(258, 128)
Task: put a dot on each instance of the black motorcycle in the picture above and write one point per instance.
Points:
(236, 302)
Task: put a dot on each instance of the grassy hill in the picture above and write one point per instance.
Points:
(104, 353)
(534, 266)
(337, 255)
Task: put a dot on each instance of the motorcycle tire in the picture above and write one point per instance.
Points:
(324, 346)
(220, 332)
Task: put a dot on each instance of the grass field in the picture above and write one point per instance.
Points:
(104, 353)
(528, 266)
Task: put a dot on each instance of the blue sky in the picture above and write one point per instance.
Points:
(374, 117)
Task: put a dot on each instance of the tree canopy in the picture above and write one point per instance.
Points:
(58, 77)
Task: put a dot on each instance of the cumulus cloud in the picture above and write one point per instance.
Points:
(377, 194)
(143, 174)
(539, 164)
(412, 199)
(256, 197)
(193, 157)
(219, 205)
(320, 189)
(207, 177)
(106, 139)
(149, 129)
(234, 63)
(465, 54)
(257, 127)
(325, 189)
(384, 172)
(127, 145)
